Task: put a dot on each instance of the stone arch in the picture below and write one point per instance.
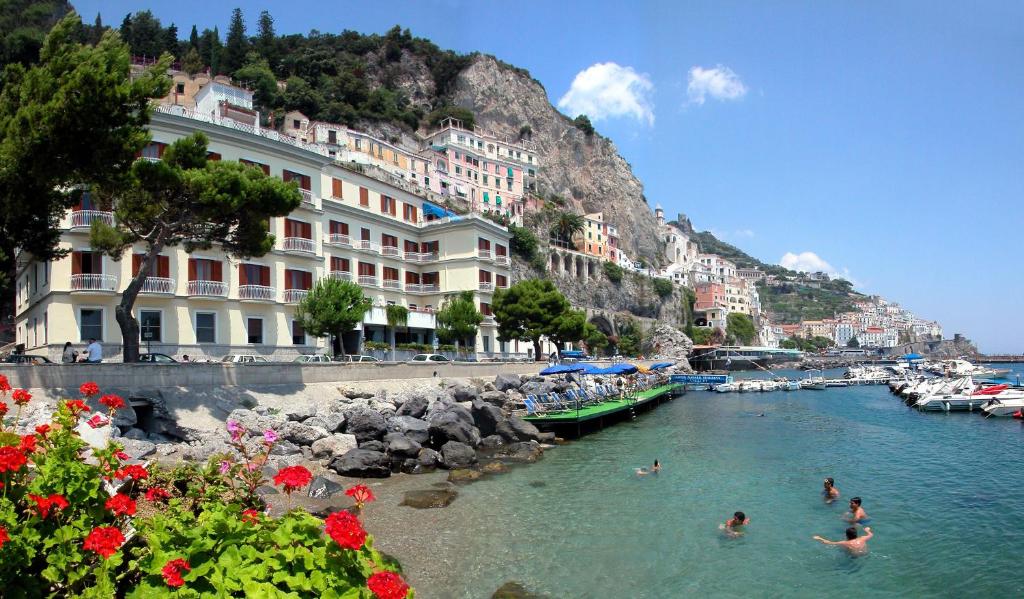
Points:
(603, 324)
(579, 267)
(591, 268)
(567, 263)
(555, 262)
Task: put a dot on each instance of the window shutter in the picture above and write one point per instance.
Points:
(97, 262)
(288, 278)
(336, 188)
(286, 176)
(136, 263)
(307, 230)
(344, 228)
(214, 156)
(76, 263)
(307, 280)
(415, 214)
(364, 196)
(243, 275)
(383, 203)
(218, 271)
(265, 276)
(191, 269)
(163, 266)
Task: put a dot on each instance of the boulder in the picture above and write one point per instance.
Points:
(355, 394)
(524, 451)
(333, 446)
(548, 437)
(492, 441)
(535, 388)
(454, 424)
(428, 458)
(202, 451)
(496, 398)
(125, 418)
(322, 487)
(332, 419)
(134, 433)
(302, 433)
(137, 448)
(299, 412)
(505, 382)
(415, 406)
(464, 475)
(517, 429)
(362, 463)
(429, 498)
(461, 392)
(373, 445)
(457, 455)
(256, 423)
(285, 448)
(494, 468)
(413, 428)
(365, 424)
(486, 417)
(399, 445)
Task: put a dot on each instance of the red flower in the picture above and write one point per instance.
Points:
(250, 516)
(43, 504)
(155, 494)
(346, 530)
(20, 397)
(293, 477)
(132, 471)
(76, 406)
(361, 493)
(3, 531)
(28, 443)
(43, 429)
(11, 459)
(172, 572)
(89, 389)
(122, 455)
(104, 540)
(4, 385)
(387, 585)
(121, 505)
(114, 402)
(3, 409)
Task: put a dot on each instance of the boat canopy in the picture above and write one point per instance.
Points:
(659, 365)
(913, 357)
(562, 369)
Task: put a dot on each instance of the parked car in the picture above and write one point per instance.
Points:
(242, 359)
(27, 359)
(312, 359)
(429, 358)
(348, 359)
(157, 358)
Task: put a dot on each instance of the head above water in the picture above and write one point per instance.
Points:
(855, 502)
(656, 464)
(740, 517)
(830, 482)
(851, 533)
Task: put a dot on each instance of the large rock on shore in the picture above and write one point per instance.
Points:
(524, 452)
(507, 382)
(487, 417)
(461, 392)
(453, 424)
(333, 446)
(413, 428)
(428, 458)
(534, 387)
(365, 424)
(517, 429)
(362, 463)
(495, 398)
(256, 423)
(299, 412)
(401, 446)
(415, 406)
(332, 419)
(302, 433)
(457, 455)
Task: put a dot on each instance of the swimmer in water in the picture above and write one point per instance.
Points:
(854, 544)
(857, 515)
(732, 526)
(830, 492)
(656, 468)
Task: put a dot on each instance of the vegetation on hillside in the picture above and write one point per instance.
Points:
(793, 302)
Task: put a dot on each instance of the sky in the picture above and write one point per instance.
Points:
(880, 141)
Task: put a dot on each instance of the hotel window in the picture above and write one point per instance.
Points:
(264, 167)
(254, 330)
(90, 324)
(390, 274)
(84, 263)
(202, 269)
(388, 240)
(336, 188)
(340, 264)
(332, 137)
(458, 170)
(387, 205)
(206, 327)
(149, 326)
(298, 334)
(359, 144)
(155, 150)
(364, 196)
(410, 213)
(297, 228)
(304, 181)
(180, 88)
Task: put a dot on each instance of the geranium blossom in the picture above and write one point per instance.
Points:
(28, 443)
(172, 572)
(225, 467)
(121, 505)
(361, 494)
(387, 585)
(44, 504)
(155, 494)
(235, 429)
(270, 436)
(89, 389)
(20, 397)
(346, 530)
(293, 477)
(42, 430)
(76, 406)
(3, 409)
(3, 536)
(4, 385)
(114, 402)
(104, 540)
(250, 516)
(134, 471)
(121, 455)
(11, 459)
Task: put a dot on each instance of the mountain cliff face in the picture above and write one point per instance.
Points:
(585, 170)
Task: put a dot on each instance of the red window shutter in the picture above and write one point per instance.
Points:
(136, 263)
(286, 175)
(97, 262)
(335, 263)
(163, 266)
(482, 276)
(306, 183)
(214, 156)
(243, 275)
(364, 196)
(265, 276)
(383, 203)
(307, 280)
(266, 169)
(336, 188)
(288, 278)
(76, 263)
(218, 271)
(344, 228)
(411, 246)
(415, 214)
(307, 230)
(191, 269)
(364, 234)
(160, 147)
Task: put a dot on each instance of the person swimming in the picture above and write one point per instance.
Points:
(733, 526)
(857, 515)
(830, 492)
(854, 544)
(656, 468)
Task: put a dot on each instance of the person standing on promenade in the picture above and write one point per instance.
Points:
(94, 351)
(830, 492)
(854, 544)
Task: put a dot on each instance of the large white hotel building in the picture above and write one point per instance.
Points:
(398, 246)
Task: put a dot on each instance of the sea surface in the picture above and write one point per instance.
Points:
(945, 493)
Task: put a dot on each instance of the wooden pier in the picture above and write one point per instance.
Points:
(594, 417)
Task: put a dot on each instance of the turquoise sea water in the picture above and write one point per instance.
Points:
(945, 493)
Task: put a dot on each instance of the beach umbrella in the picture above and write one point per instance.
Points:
(620, 369)
(562, 369)
(660, 365)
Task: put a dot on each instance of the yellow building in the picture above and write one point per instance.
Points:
(593, 241)
(399, 247)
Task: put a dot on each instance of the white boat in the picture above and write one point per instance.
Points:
(727, 388)
(837, 383)
(816, 383)
(1005, 404)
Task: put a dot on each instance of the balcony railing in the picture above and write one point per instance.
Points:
(339, 239)
(92, 282)
(390, 250)
(485, 254)
(392, 284)
(307, 198)
(422, 288)
(257, 293)
(367, 245)
(158, 285)
(341, 275)
(486, 286)
(299, 244)
(421, 257)
(501, 260)
(488, 320)
(82, 219)
(368, 280)
(207, 288)
(502, 284)
(294, 296)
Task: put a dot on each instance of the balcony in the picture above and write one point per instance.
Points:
(93, 282)
(207, 289)
(257, 293)
(299, 244)
(390, 250)
(341, 275)
(294, 296)
(392, 284)
(307, 198)
(367, 245)
(422, 288)
(82, 219)
(486, 286)
(483, 254)
(502, 284)
(421, 257)
(489, 321)
(368, 280)
(158, 285)
(502, 260)
(339, 239)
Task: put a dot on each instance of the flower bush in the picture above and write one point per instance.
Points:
(195, 531)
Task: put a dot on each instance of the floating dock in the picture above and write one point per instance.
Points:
(597, 416)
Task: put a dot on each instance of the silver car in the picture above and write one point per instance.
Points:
(429, 359)
(313, 359)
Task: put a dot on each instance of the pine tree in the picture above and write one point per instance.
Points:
(171, 41)
(193, 38)
(97, 30)
(266, 39)
(216, 52)
(237, 43)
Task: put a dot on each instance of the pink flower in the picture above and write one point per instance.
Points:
(225, 467)
(270, 436)
(235, 429)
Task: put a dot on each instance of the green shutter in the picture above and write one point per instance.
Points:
(510, 171)
(497, 200)
(487, 198)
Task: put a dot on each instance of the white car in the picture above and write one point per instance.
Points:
(243, 359)
(349, 359)
(313, 359)
(429, 358)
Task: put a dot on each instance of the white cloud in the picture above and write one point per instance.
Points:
(737, 234)
(718, 83)
(608, 90)
(811, 262)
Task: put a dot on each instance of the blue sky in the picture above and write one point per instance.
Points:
(885, 139)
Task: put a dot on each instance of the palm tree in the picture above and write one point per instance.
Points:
(397, 316)
(566, 226)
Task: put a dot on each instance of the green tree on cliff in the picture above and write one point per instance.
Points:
(741, 328)
(332, 307)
